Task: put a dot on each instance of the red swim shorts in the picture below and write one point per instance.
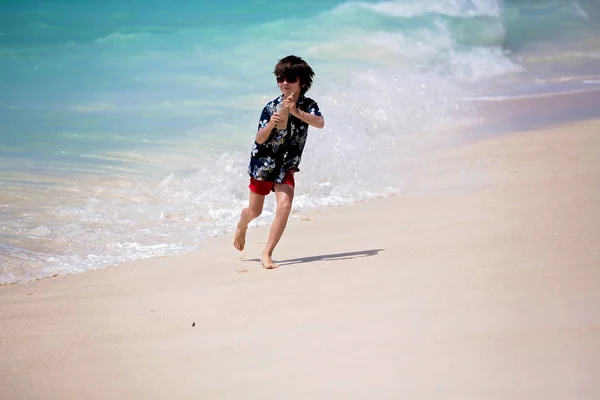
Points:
(265, 187)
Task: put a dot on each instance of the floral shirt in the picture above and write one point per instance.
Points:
(282, 151)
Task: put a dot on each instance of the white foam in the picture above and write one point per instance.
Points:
(94, 107)
(121, 36)
(578, 10)
(399, 8)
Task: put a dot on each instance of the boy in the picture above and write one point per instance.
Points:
(276, 152)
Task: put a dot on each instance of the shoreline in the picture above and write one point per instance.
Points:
(480, 283)
(498, 118)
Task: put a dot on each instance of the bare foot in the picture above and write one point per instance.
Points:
(239, 239)
(267, 262)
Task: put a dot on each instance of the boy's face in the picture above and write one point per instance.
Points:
(288, 85)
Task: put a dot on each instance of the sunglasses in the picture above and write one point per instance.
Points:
(288, 79)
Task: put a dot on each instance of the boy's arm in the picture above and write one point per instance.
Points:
(263, 133)
(313, 120)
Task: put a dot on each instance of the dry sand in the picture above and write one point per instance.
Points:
(481, 283)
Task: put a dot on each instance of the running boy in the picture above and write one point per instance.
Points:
(276, 152)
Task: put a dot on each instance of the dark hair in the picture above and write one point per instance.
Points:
(295, 67)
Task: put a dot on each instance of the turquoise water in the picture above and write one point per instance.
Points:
(126, 126)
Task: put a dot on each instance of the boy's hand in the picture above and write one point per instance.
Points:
(290, 103)
(275, 119)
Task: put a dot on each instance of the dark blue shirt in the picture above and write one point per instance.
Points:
(282, 151)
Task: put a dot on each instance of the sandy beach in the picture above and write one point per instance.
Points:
(481, 282)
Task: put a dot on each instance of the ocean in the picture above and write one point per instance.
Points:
(126, 126)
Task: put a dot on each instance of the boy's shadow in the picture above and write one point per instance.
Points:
(325, 257)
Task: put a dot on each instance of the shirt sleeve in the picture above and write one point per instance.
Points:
(265, 116)
(313, 108)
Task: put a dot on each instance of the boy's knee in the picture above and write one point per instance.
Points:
(284, 208)
(254, 212)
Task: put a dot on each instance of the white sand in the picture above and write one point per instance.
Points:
(482, 284)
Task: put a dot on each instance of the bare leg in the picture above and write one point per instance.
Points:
(256, 202)
(284, 195)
